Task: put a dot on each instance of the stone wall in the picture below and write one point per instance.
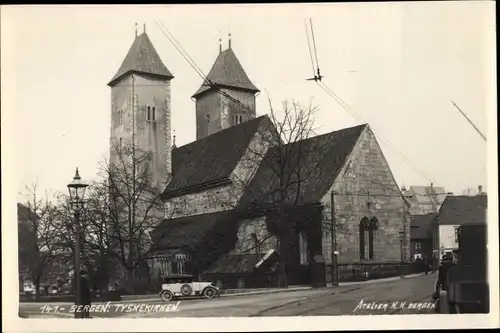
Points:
(153, 137)
(366, 187)
(230, 108)
(262, 242)
(208, 118)
(226, 197)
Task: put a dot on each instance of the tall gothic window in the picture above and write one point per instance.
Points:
(363, 228)
(367, 232)
(372, 233)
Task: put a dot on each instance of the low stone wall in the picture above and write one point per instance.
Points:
(372, 271)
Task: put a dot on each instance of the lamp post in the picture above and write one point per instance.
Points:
(76, 194)
(401, 241)
(335, 253)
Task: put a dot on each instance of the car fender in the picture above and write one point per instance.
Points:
(210, 286)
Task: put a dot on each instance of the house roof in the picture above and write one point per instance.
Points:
(185, 231)
(142, 58)
(313, 165)
(227, 72)
(212, 159)
(426, 194)
(421, 226)
(463, 209)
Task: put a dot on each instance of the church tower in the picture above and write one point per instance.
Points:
(233, 101)
(140, 108)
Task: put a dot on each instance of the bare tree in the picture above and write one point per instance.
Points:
(284, 160)
(37, 237)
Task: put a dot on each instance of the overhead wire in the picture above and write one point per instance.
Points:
(197, 69)
(347, 108)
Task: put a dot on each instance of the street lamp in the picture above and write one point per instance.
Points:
(401, 241)
(77, 194)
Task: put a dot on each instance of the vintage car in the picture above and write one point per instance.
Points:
(178, 286)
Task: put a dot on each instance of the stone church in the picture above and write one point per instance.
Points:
(220, 220)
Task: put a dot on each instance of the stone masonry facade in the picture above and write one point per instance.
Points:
(253, 237)
(221, 198)
(151, 135)
(366, 187)
(215, 112)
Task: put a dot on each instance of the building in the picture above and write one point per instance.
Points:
(222, 215)
(455, 211)
(421, 236)
(26, 237)
(424, 199)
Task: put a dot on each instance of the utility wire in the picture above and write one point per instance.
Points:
(310, 51)
(314, 45)
(197, 69)
(346, 107)
(470, 121)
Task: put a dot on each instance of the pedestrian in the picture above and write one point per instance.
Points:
(85, 297)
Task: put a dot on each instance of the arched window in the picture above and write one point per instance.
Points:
(153, 116)
(149, 113)
(364, 226)
(371, 237)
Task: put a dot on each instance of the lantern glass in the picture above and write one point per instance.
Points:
(77, 189)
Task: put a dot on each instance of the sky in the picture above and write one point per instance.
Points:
(397, 65)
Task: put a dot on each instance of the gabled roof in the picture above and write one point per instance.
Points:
(426, 194)
(463, 209)
(185, 231)
(312, 166)
(142, 58)
(421, 226)
(211, 160)
(227, 72)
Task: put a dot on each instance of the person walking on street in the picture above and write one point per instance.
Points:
(85, 297)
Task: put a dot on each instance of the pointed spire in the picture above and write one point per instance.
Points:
(220, 45)
(144, 27)
(142, 58)
(174, 146)
(229, 40)
(135, 25)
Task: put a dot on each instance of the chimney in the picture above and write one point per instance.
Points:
(480, 189)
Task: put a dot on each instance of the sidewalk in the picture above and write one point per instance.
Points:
(244, 292)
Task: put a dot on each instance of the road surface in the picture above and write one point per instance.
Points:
(401, 296)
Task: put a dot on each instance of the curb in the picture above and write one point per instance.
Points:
(303, 299)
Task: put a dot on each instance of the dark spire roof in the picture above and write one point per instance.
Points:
(228, 72)
(142, 58)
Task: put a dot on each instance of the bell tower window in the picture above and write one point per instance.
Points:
(151, 113)
(237, 119)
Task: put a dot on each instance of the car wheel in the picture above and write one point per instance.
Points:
(166, 296)
(209, 293)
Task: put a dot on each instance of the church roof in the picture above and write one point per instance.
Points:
(142, 58)
(313, 166)
(211, 160)
(227, 72)
(185, 231)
